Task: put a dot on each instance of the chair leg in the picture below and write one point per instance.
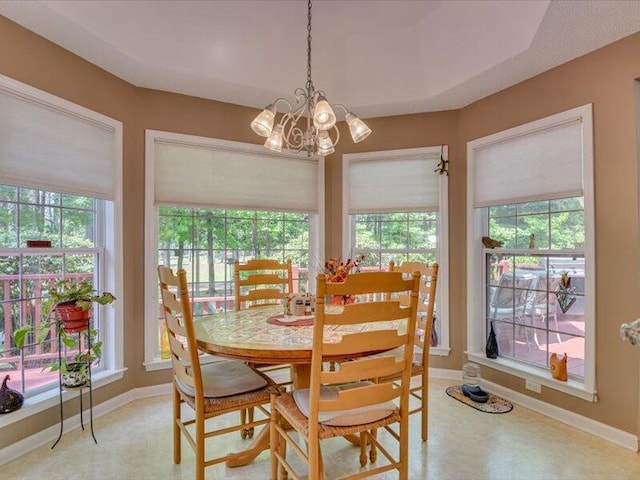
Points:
(321, 463)
(404, 448)
(177, 446)
(250, 430)
(313, 449)
(282, 447)
(273, 439)
(243, 420)
(373, 451)
(199, 444)
(425, 404)
(363, 448)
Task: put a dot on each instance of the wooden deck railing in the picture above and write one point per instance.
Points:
(28, 311)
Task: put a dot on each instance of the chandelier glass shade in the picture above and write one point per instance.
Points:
(309, 124)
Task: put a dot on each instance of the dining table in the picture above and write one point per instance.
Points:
(265, 336)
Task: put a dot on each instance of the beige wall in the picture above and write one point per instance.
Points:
(604, 78)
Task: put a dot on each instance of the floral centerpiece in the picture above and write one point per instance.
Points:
(337, 270)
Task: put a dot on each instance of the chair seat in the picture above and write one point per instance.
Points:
(228, 383)
(288, 408)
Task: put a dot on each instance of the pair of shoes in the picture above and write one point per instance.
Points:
(475, 393)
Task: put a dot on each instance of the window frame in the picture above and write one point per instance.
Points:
(477, 224)
(442, 247)
(316, 228)
(110, 230)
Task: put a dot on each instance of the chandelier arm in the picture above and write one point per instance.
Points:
(292, 135)
(282, 99)
(345, 109)
(335, 127)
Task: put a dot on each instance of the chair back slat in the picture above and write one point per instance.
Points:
(264, 279)
(388, 326)
(260, 282)
(173, 324)
(179, 320)
(426, 302)
(376, 340)
(361, 397)
(178, 351)
(371, 283)
(378, 366)
(262, 294)
(356, 313)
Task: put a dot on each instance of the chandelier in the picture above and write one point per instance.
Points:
(316, 116)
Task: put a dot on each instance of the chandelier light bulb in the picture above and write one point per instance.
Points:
(324, 152)
(274, 142)
(324, 141)
(263, 123)
(358, 129)
(323, 116)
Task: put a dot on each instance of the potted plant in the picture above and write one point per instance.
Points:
(68, 307)
(72, 302)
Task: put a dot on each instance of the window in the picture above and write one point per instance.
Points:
(395, 208)
(69, 222)
(531, 189)
(206, 243)
(204, 211)
(59, 182)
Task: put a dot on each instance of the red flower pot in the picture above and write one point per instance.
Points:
(74, 319)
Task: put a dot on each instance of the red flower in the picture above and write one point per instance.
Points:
(336, 270)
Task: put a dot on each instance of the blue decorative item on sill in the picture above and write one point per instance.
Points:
(10, 400)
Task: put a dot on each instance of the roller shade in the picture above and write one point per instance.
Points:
(209, 176)
(49, 147)
(544, 164)
(400, 184)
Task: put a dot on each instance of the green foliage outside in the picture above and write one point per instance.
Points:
(556, 224)
(399, 236)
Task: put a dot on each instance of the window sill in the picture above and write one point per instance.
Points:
(161, 364)
(538, 375)
(439, 351)
(50, 398)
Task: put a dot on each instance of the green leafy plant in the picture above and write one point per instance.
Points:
(79, 293)
(65, 292)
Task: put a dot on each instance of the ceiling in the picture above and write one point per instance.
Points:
(377, 57)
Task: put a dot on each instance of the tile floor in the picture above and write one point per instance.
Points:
(135, 444)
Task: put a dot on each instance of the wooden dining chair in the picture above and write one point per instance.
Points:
(211, 389)
(424, 324)
(260, 282)
(343, 402)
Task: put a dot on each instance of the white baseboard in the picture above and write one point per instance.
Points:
(601, 430)
(49, 435)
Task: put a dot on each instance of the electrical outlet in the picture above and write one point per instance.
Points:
(531, 385)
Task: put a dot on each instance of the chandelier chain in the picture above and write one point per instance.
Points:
(310, 88)
(310, 123)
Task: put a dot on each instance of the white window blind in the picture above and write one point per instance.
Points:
(542, 164)
(212, 176)
(394, 184)
(50, 144)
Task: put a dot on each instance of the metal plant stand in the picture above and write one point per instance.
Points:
(88, 385)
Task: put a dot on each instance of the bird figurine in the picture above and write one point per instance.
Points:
(491, 243)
